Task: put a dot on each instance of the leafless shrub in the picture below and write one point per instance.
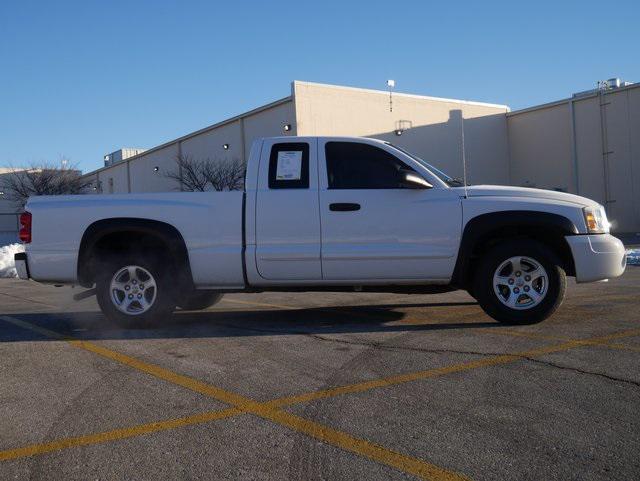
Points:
(226, 175)
(190, 174)
(43, 179)
(199, 175)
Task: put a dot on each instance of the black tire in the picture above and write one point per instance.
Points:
(531, 252)
(199, 300)
(163, 302)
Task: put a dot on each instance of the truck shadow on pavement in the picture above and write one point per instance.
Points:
(218, 323)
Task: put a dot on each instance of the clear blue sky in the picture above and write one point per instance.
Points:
(82, 78)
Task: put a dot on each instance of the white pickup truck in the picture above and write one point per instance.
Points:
(322, 214)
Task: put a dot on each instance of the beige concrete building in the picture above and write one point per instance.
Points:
(587, 144)
(428, 126)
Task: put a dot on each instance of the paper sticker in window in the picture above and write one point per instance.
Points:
(289, 165)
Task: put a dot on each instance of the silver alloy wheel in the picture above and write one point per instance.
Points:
(133, 290)
(520, 282)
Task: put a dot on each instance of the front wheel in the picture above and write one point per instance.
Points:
(135, 292)
(520, 282)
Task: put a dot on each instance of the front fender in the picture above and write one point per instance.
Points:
(481, 228)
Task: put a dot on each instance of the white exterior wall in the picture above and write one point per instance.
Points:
(433, 126)
(540, 148)
(144, 178)
(138, 174)
(269, 123)
(543, 146)
(210, 145)
(117, 176)
(594, 152)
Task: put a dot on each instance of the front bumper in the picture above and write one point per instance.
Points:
(597, 256)
(22, 265)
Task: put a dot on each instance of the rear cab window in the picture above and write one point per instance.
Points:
(289, 166)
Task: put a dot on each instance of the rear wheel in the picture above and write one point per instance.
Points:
(520, 282)
(198, 300)
(135, 292)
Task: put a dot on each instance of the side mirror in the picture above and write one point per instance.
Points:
(412, 180)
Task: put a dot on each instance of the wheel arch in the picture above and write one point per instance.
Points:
(485, 230)
(114, 235)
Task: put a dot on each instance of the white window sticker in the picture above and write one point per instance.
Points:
(289, 165)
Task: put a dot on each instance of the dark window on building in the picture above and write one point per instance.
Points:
(289, 166)
(352, 165)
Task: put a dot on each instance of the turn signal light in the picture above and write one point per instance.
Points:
(25, 227)
(592, 223)
(595, 219)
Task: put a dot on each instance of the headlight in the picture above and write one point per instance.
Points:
(596, 219)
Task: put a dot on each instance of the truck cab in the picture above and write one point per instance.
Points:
(349, 211)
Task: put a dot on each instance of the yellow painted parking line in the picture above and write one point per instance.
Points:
(416, 322)
(258, 304)
(441, 371)
(116, 434)
(331, 310)
(623, 347)
(32, 327)
(529, 335)
(331, 436)
(367, 449)
(585, 342)
(269, 410)
(20, 298)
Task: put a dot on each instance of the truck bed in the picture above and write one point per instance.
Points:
(209, 222)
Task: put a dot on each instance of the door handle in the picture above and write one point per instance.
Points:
(344, 207)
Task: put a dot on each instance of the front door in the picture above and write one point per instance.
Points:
(372, 227)
(287, 213)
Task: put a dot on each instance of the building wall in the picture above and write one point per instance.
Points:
(433, 127)
(586, 145)
(623, 160)
(142, 174)
(114, 179)
(588, 148)
(210, 145)
(139, 174)
(270, 123)
(540, 148)
(555, 146)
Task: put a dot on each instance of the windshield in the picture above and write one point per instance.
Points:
(450, 181)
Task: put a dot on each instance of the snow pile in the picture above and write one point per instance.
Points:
(7, 265)
(633, 257)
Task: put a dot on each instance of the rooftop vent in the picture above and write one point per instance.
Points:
(120, 155)
(610, 84)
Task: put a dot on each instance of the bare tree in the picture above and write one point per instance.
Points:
(44, 179)
(226, 174)
(191, 174)
(199, 175)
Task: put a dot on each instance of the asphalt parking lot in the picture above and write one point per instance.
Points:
(321, 386)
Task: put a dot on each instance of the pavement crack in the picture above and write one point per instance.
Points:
(391, 347)
(581, 371)
(368, 344)
(387, 347)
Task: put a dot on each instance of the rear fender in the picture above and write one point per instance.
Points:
(167, 234)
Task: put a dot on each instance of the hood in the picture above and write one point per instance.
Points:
(507, 191)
